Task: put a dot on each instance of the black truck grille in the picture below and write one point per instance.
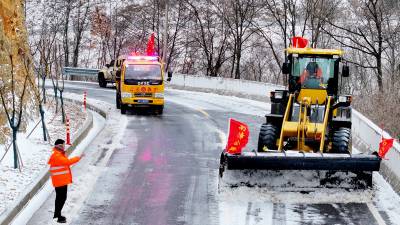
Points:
(143, 95)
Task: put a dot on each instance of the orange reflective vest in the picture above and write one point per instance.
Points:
(306, 74)
(60, 171)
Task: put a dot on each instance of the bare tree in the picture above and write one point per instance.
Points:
(280, 22)
(41, 47)
(316, 13)
(367, 33)
(59, 76)
(180, 18)
(80, 25)
(40, 98)
(101, 28)
(239, 16)
(211, 37)
(14, 116)
(68, 7)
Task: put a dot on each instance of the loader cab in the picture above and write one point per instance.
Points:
(309, 68)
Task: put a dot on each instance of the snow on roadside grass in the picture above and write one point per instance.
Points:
(34, 152)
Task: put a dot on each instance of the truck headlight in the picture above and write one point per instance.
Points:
(126, 95)
(346, 98)
(159, 95)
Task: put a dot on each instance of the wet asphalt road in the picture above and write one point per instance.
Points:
(166, 172)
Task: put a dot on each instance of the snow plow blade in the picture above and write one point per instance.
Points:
(330, 170)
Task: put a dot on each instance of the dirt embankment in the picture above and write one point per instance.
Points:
(14, 42)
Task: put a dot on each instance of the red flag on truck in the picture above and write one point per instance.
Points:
(384, 146)
(150, 51)
(238, 137)
(299, 42)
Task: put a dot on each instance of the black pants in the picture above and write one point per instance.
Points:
(61, 197)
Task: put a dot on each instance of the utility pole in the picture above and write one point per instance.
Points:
(165, 36)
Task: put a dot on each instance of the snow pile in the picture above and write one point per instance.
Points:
(34, 152)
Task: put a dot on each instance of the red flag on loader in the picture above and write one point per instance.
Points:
(150, 51)
(299, 42)
(384, 146)
(238, 137)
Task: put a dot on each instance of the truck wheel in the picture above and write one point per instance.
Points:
(102, 80)
(117, 101)
(340, 141)
(159, 110)
(267, 137)
(123, 109)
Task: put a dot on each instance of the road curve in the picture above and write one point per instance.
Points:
(164, 170)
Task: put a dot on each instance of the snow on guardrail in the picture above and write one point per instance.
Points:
(225, 84)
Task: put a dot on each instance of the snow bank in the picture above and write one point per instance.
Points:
(367, 136)
(224, 85)
(35, 153)
(26, 214)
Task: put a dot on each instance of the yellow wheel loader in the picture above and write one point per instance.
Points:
(307, 132)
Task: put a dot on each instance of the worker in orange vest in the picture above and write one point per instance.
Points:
(61, 176)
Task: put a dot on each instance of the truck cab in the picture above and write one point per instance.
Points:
(140, 84)
(108, 72)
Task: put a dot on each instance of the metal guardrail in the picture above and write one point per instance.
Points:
(85, 72)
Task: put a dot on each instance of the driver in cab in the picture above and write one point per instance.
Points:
(312, 70)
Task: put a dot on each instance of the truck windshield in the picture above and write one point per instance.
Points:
(143, 72)
(313, 72)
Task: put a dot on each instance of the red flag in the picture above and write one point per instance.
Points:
(384, 146)
(150, 46)
(299, 42)
(238, 137)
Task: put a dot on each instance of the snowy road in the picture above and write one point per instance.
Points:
(155, 170)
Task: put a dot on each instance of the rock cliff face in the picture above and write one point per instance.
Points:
(13, 42)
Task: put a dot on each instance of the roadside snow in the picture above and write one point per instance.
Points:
(211, 101)
(98, 150)
(34, 152)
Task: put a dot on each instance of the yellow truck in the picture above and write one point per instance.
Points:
(140, 84)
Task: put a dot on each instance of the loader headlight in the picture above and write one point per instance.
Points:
(159, 95)
(126, 95)
(278, 95)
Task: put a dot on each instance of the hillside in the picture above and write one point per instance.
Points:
(13, 41)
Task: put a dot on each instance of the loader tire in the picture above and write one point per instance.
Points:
(268, 136)
(340, 140)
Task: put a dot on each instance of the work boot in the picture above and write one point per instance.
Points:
(62, 219)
